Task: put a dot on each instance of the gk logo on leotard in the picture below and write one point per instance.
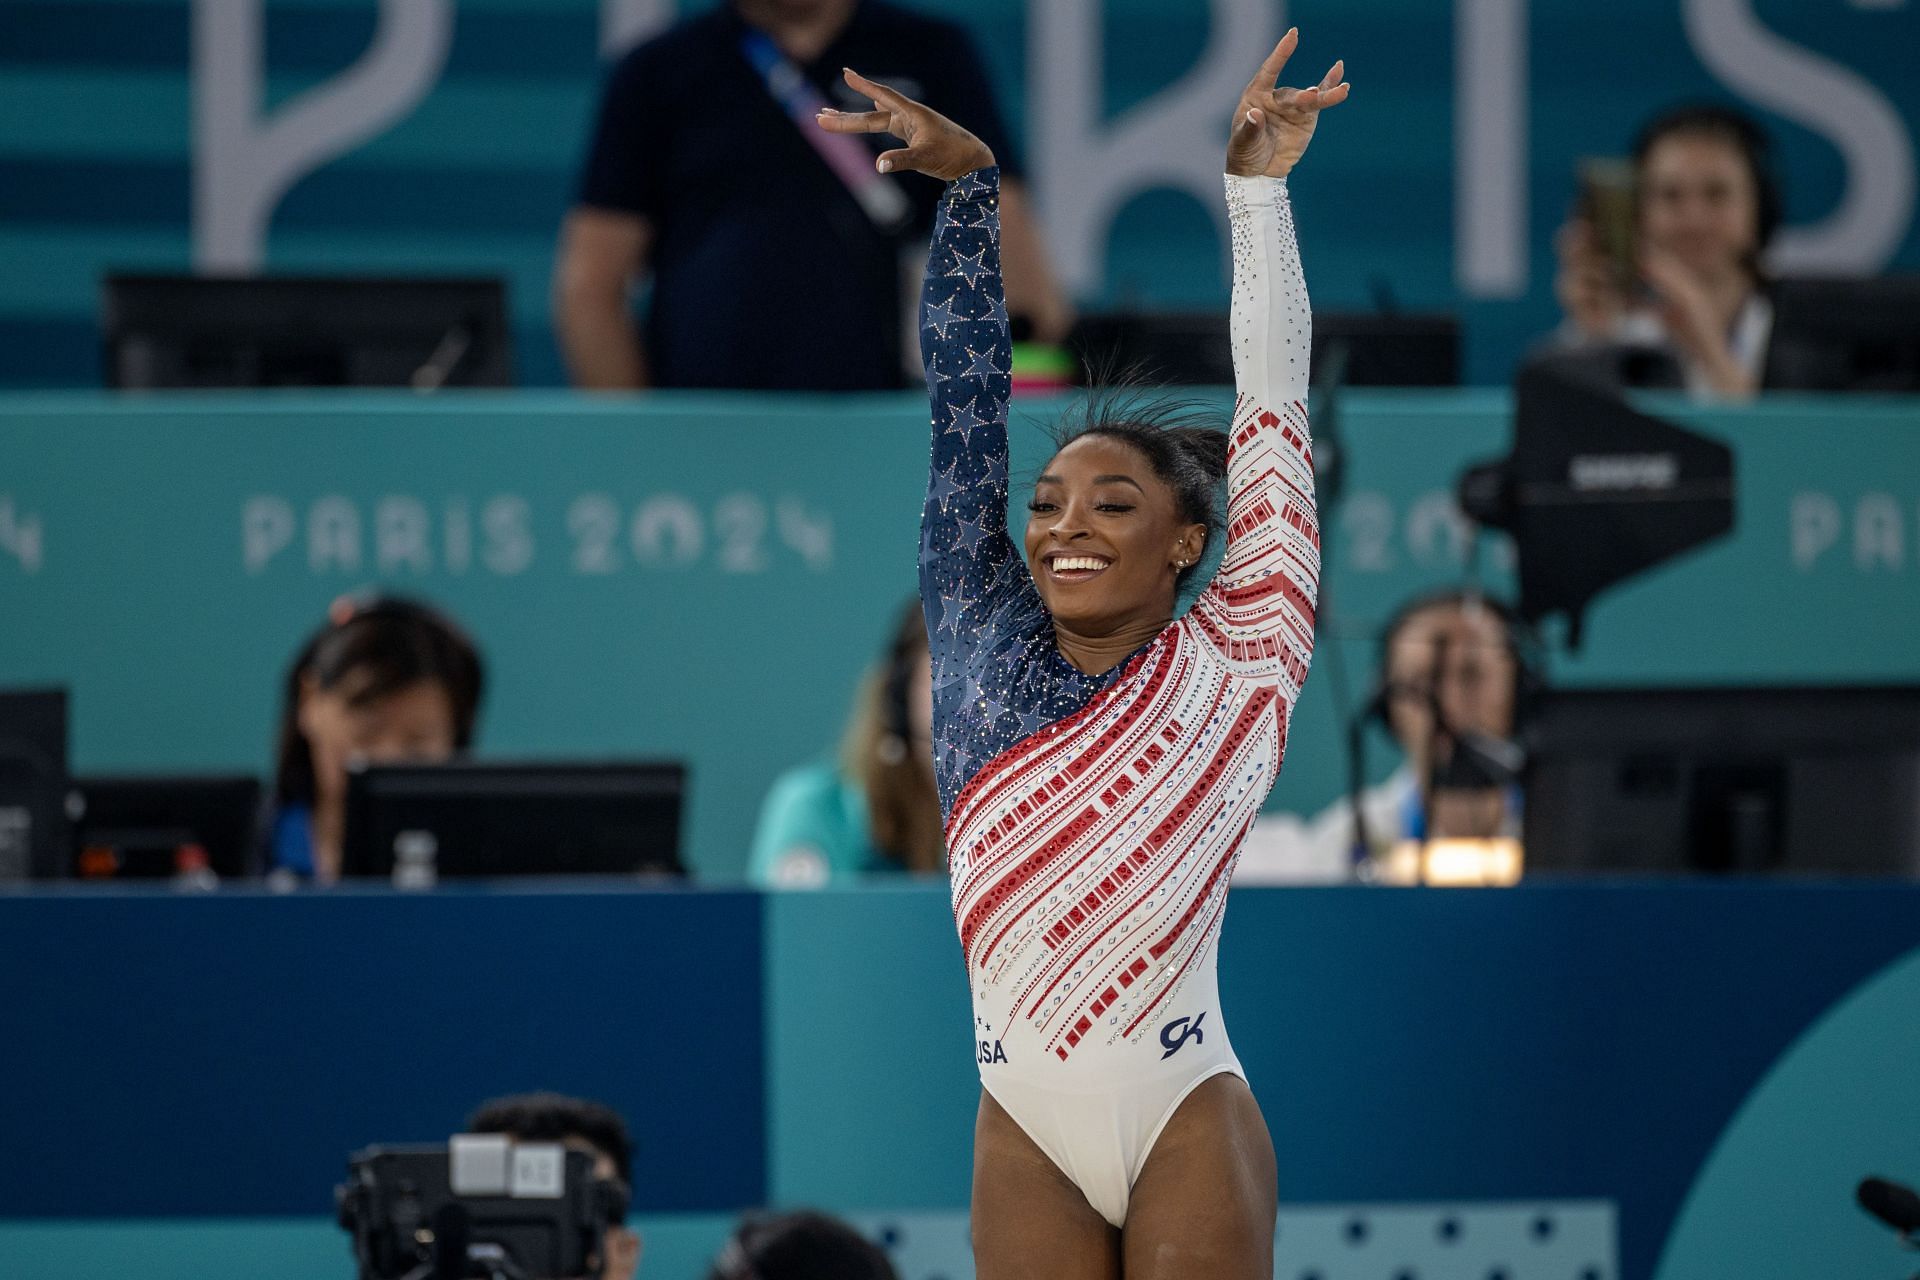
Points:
(1175, 1035)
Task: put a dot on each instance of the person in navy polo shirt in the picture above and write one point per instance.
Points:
(773, 250)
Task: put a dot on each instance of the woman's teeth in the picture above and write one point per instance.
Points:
(1070, 564)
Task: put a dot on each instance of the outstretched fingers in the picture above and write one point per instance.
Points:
(1269, 73)
(881, 95)
(855, 121)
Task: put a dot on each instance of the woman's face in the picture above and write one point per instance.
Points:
(1459, 656)
(1104, 537)
(1698, 203)
(412, 725)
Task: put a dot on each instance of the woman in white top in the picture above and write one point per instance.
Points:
(1707, 206)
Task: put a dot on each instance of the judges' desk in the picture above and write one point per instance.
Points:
(706, 576)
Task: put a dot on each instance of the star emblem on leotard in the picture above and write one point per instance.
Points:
(982, 366)
(969, 267)
(938, 317)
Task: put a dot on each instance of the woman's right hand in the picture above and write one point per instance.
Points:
(1585, 283)
(936, 146)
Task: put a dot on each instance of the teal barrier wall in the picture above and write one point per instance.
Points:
(707, 576)
(1440, 184)
(1687, 1069)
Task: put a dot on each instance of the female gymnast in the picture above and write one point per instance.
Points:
(1098, 760)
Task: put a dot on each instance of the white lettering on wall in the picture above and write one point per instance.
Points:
(333, 535)
(1867, 226)
(742, 533)
(244, 161)
(667, 531)
(1879, 538)
(625, 23)
(1438, 533)
(400, 533)
(1490, 147)
(266, 529)
(1087, 169)
(507, 536)
(22, 536)
(594, 522)
(1813, 526)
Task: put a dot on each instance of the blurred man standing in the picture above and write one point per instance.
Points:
(773, 249)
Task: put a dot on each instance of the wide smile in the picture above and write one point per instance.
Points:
(1079, 566)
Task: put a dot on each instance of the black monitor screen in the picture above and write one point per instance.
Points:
(33, 783)
(184, 826)
(1373, 349)
(1800, 780)
(295, 331)
(1845, 335)
(420, 823)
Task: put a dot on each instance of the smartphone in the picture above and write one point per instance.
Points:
(1608, 205)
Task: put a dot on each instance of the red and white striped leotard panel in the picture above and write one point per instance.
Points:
(1090, 860)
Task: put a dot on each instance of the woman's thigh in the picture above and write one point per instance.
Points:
(1204, 1204)
(1029, 1221)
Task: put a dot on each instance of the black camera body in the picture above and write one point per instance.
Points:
(482, 1205)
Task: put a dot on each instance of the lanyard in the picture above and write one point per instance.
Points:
(879, 196)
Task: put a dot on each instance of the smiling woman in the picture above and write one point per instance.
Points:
(1099, 762)
(1130, 497)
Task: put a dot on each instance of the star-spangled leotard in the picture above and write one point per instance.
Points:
(1092, 821)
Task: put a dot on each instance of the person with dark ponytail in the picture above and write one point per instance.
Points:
(385, 681)
(1099, 760)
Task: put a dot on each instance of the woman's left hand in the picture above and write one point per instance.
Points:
(1272, 125)
(1694, 323)
(936, 146)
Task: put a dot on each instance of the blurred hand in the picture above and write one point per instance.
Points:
(1272, 125)
(1585, 284)
(936, 146)
(1686, 308)
(1696, 323)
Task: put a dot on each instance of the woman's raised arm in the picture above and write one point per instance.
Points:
(966, 346)
(1262, 600)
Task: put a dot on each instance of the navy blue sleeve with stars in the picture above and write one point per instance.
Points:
(967, 347)
(998, 674)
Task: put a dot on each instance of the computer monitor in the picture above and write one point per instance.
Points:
(419, 823)
(166, 331)
(146, 827)
(1788, 779)
(1380, 349)
(1840, 334)
(33, 783)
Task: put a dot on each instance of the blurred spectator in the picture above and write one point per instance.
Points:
(773, 248)
(877, 810)
(1705, 206)
(385, 681)
(799, 1246)
(1458, 650)
(586, 1126)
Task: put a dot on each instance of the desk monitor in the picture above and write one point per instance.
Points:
(33, 783)
(128, 827)
(1790, 779)
(419, 823)
(1380, 349)
(299, 331)
(1845, 335)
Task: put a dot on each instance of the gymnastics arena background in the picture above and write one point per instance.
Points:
(1649, 1078)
